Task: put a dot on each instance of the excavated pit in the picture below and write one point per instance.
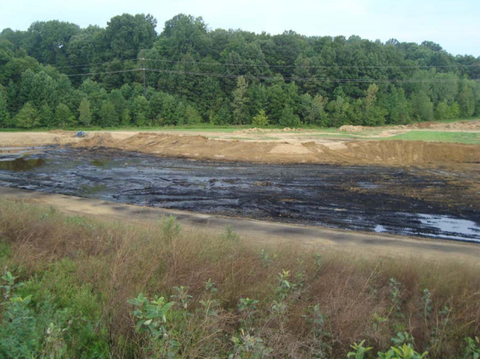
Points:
(407, 201)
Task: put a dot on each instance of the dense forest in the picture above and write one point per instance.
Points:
(56, 74)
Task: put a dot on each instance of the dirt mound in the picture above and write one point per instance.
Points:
(145, 141)
(463, 125)
(459, 126)
(97, 140)
(265, 130)
(62, 132)
(403, 152)
(351, 128)
(250, 130)
(395, 153)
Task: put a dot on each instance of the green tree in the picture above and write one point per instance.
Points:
(187, 46)
(192, 117)
(4, 113)
(126, 35)
(373, 115)
(316, 114)
(466, 101)
(179, 114)
(86, 47)
(27, 117)
(11, 97)
(222, 116)
(46, 116)
(156, 104)
(276, 100)
(338, 109)
(64, 116)
(85, 116)
(47, 41)
(168, 110)
(257, 98)
(126, 118)
(422, 107)
(454, 110)
(184, 34)
(140, 111)
(260, 120)
(108, 115)
(441, 111)
(289, 118)
(240, 101)
(397, 106)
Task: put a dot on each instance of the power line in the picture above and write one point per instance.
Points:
(275, 66)
(104, 73)
(269, 78)
(314, 67)
(304, 79)
(95, 64)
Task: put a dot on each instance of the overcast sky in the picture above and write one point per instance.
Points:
(455, 25)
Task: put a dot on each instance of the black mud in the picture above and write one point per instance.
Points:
(349, 197)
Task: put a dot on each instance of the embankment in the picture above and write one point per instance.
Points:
(392, 153)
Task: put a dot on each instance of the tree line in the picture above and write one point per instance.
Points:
(56, 74)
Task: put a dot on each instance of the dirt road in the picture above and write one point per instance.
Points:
(365, 244)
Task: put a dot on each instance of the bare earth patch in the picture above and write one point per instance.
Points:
(291, 148)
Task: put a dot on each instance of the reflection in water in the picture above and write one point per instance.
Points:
(448, 227)
(21, 164)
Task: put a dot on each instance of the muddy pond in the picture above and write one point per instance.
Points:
(349, 197)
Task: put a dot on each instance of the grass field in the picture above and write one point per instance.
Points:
(78, 287)
(471, 138)
(199, 128)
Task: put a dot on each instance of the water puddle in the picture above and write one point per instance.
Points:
(21, 164)
(368, 185)
(380, 229)
(99, 163)
(449, 227)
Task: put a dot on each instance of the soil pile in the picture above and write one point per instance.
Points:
(402, 152)
(463, 126)
(392, 153)
(248, 131)
(97, 140)
(353, 152)
(352, 128)
(454, 126)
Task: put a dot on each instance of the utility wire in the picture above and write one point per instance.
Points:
(267, 78)
(324, 79)
(315, 67)
(104, 73)
(276, 66)
(95, 64)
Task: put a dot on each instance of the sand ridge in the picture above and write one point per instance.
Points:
(290, 150)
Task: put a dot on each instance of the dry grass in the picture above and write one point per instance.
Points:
(122, 260)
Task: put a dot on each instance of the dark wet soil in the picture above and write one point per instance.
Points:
(350, 197)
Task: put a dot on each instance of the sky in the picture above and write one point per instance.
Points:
(455, 25)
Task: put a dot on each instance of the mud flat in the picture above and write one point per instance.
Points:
(434, 203)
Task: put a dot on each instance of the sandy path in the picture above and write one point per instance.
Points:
(366, 244)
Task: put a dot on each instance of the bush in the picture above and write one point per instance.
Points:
(260, 120)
